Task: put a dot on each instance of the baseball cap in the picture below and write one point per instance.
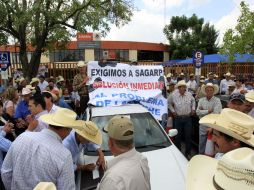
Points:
(120, 128)
(237, 96)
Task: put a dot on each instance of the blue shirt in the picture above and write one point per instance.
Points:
(63, 104)
(4, 146)
(71, 144)
(22, 110)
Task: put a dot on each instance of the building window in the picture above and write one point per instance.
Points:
(150, 55)
(16, 59)
(67, 55)
(119, 55)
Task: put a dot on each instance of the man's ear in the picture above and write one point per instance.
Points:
(236, 143)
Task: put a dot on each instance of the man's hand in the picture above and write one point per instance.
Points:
(210, 110)
(85, 80)
(101, 160)
(201, 107)
(21, 123)
(8, 128)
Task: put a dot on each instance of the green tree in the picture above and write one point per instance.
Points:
(45, 22)
(241, 38)
(188, 34)
(3, 38)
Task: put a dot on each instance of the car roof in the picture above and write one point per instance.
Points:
(115, 110)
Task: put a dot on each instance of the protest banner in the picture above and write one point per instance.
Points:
(117, 84)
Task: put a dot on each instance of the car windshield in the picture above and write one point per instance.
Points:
(148, 134)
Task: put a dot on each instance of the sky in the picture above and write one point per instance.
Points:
(151, 16)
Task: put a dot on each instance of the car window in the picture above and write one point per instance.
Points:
(148, 134)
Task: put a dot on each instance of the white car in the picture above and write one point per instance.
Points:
(167, 164)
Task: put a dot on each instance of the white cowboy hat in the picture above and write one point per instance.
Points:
(182, 74)
(60, 79)
(169, 75)
(34, 80)
(214, 86)
(45, 186)
(233, 123)
(90, 132)
(81, 64)
(63, 118)
(228, 74)
(21, 80)
(202, 77)
(192, 74)
(249, 96)
(181, 83)
(234, 171)
(26, 91)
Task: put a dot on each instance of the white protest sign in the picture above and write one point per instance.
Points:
(118, 84)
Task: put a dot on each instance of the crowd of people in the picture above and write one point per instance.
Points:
(43, 131)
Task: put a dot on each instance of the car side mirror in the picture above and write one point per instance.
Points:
(172, 132)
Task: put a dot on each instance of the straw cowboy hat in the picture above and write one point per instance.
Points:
(233, 123)
(202, 77)
(192, 74)
(45, 186)
(181, 83)
(34, 80)
(214, 86)
(234, 171)
(63, 118)
(249, 96)
(81, 64)
(90, 132)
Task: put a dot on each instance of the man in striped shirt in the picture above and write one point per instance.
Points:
(182, 106)
(207, 105)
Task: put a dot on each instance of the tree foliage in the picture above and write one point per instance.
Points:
(241, 38)
(43, 22)
(188, 34)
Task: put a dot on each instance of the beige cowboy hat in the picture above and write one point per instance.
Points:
(181, 74)
(234, 171)
(81, 64)
(192, 74)
(34, 80)
(202, 77)
(54, 96)
(63, 118)
(249, 96)
(233, 123)
(90, 132)
(214, 86)
(45, 186)
(181, 83)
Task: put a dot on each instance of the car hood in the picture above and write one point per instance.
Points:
(167, 168)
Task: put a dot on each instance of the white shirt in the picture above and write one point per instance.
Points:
(192, 86)
(43, 85)
(41, 125)
(126, 171)
(251, 113)
(238, 90)
(224, 85)
(53, 109)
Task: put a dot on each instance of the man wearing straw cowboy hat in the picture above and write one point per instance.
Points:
(225, 83)
(182, 106)
(40, 156)
(88, 137)
(79, 84)
(235, 171)
(232, 129)
(206, 105)
(129, 168)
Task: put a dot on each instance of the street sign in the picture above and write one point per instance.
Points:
(198, 59)
(5, 61)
